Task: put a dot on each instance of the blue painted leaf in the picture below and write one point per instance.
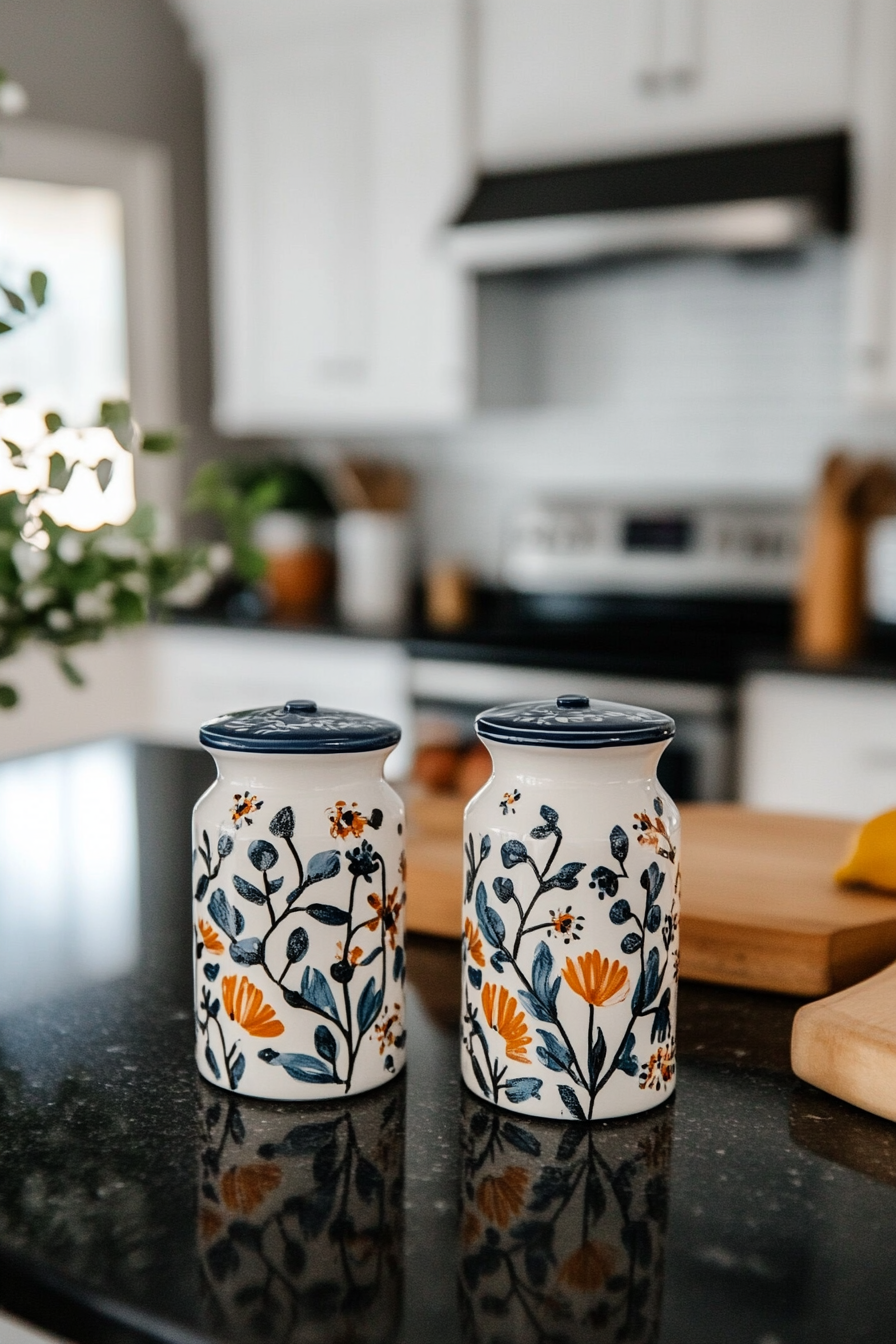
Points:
(475, 976)
(503, 889)
(654, 918)
(247, 891)
(230, 921)
(566, 877)
(652, 881)
(521, 1138)
(274, 885)
(211, 1061)
(328, 914)
(316, 990)
(485, 848)
(628, 1062)
(248, 952)
(652, 976)
(550, 818)
(522, 1089)
(325, 1043)
(570, 1101)
(596, 1056)
(238, 1069)
(553, 1053)
(371, 956)
(293, 895)
(621, 912)
(549, 815)
(498, 961)
(490, 922)
(542, 965)
(322, 866)
(535, 1008)
(262, 855)
(631, 942)
(201, 887)
(211, 971)
(619, 844)
(662, 1018)
(513, 852)
(304, 1068)
(541, 832)
(369, 1005)
(225, 845)
(658, 806)
(214, 1008)
(606, 881)
(283, 824)
(398, 965)
(296, 945)
(269, 1055)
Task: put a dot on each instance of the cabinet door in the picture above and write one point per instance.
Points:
(572, 79)
(336, 157)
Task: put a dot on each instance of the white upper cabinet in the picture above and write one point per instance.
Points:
(337, 151)
(565, 80)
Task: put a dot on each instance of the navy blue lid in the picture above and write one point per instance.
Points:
(574, 721)
(299, 726)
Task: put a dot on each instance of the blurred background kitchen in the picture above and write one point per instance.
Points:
(519, 346)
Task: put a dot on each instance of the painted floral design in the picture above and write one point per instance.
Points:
(210, 939)
(507, 801)
(243, 807)
(348, 1004)
(653, 833)
(566, 925)
(659, 1069)
(474, 943)
(245, 1005)
(589, 1266)
(588, 1057)
(595, 980)
(509, 1024)
(244, 1188)
(346, 820)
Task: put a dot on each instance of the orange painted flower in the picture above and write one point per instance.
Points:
(501, 1198)
(347, 820)
(597, 980)
(588, 1268)
(354, 956)
(210, 938)
(474, 942)
(388, 913)
(471, 1229)
(242, 807)
(509, 1024)
(210, 1223)
(246, 1006)
(244, 1188)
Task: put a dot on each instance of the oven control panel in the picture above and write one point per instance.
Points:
(618, 547)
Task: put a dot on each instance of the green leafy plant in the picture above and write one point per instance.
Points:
(238, 494)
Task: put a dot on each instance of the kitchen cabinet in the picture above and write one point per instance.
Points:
(818, 744)
(337, 151)
(564, 80)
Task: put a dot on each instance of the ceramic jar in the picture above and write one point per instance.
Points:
(298, 883)
(570, 916)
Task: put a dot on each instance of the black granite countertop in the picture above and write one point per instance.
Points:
(138, 1204)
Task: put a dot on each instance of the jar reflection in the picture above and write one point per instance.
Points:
(563, 1227)
(301, 1218)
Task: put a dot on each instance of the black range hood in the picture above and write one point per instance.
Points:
(749, 196)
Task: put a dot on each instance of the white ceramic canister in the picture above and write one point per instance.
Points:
(298, 881)
(570, 917)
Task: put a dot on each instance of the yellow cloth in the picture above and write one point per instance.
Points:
(872, 862)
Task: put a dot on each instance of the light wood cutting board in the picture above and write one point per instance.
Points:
(759, 906)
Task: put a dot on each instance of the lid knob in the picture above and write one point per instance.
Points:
(573, 702)
(300, 707)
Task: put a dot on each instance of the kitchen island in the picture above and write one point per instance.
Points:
(139, 1204)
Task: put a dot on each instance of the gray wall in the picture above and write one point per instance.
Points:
(124, 66)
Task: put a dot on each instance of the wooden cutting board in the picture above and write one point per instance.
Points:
(759, 906)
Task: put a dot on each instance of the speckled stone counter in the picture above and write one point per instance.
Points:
(137, 1203)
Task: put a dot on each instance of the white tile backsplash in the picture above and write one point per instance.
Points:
(661, 377)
